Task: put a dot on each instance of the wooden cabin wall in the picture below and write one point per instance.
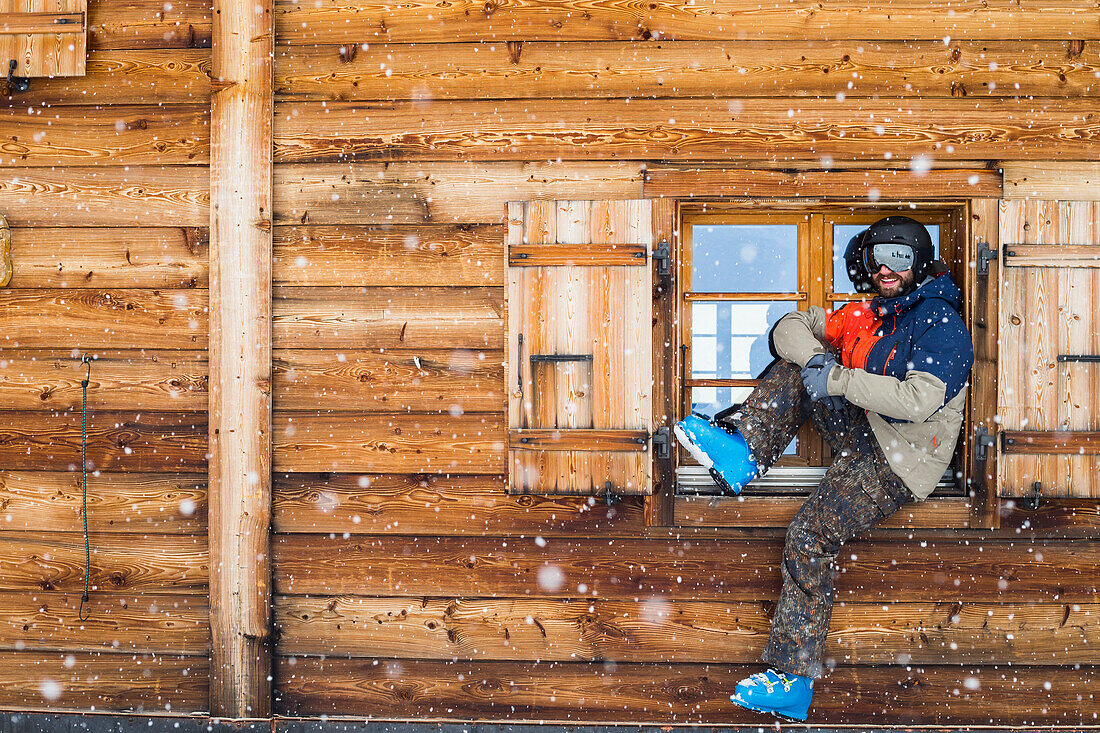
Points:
(408, 584)
(104, 181)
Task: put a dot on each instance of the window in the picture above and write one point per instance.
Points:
(740, 272)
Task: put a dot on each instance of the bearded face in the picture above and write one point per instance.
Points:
(890, 284)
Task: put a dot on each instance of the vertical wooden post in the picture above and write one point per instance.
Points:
(240, 358)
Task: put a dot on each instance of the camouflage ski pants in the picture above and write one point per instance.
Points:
(858, 490)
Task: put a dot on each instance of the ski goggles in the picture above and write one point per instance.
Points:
(896, 257)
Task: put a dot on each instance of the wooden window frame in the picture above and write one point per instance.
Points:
(670, 508)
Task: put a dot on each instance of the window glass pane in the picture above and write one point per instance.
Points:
(744, 258)
(841, 234)
(729, 340)
(712, 400)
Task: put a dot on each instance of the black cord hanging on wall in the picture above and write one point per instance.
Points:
(87, 361)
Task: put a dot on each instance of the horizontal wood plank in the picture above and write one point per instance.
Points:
(117, 502)
(695, 129)
(132, 76)
(127, 24)
(1054, 441)
(46, 621)
(1054, 515)
(106, 196)
(347, 21)
(392, 255)
(1051, 255)
(34, 379)
(103, 318)
(777, 511)
(672, 631)
(98, 257)
(586, 255)
(709, 569)
(434, 444)
(41, 23)
(634, 441)
(390, 317)
(55, 682)
(522, 69)
(453, 381)
(133, 442)
(686, 182)
(764, 129)
(119, 135)
(445, 193)
(1049, 179)
(54, 561)
(439, 505)
(594, 693)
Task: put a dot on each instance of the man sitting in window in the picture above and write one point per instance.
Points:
(883, 382)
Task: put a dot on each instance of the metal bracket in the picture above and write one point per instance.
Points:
(982, 443)
(609, 495)
(663, 257)
(1031, 503)
(16, 83)
(661, 443)
(985, 255)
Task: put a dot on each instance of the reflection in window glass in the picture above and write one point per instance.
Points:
(729, 340)
(844, 232)
(744, 258)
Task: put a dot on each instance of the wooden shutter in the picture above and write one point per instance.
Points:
(43, 37)
(1049, 359)
(579, 347)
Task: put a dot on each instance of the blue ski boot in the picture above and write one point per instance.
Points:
(786, 695)
(723, 452)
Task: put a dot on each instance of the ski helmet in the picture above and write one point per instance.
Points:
(857, 269)
(900, 230)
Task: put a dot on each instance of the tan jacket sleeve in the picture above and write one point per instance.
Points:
(915, 398)
(797, 336)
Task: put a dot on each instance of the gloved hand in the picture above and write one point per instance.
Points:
(815, 375)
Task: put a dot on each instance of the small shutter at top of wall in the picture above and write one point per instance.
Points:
(44, 39)
(579, 346)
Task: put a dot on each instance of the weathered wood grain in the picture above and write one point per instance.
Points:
(106, 196)
(131, 76)
(44, 501)
(686, 182)
(388, 317)
(58, 681)
(748, 68)
(54, 561)
(1053, 516)
(1052, 255)
(592, 693)
(983, 303)
(1056, 441)
(119, 135)
(128, 24)
(454, 381)
(440, 505)
(391, 255)
(340, 21)
(465, 444)
(696, 129)
(1048, 179)
(35, 379)
(118, 440)
(103, 318)
(445, 193)
(98, 257)
(711, 569)
(46, 621)
(595, 254)
(633, 441)
(673, 631)
(777, 511)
